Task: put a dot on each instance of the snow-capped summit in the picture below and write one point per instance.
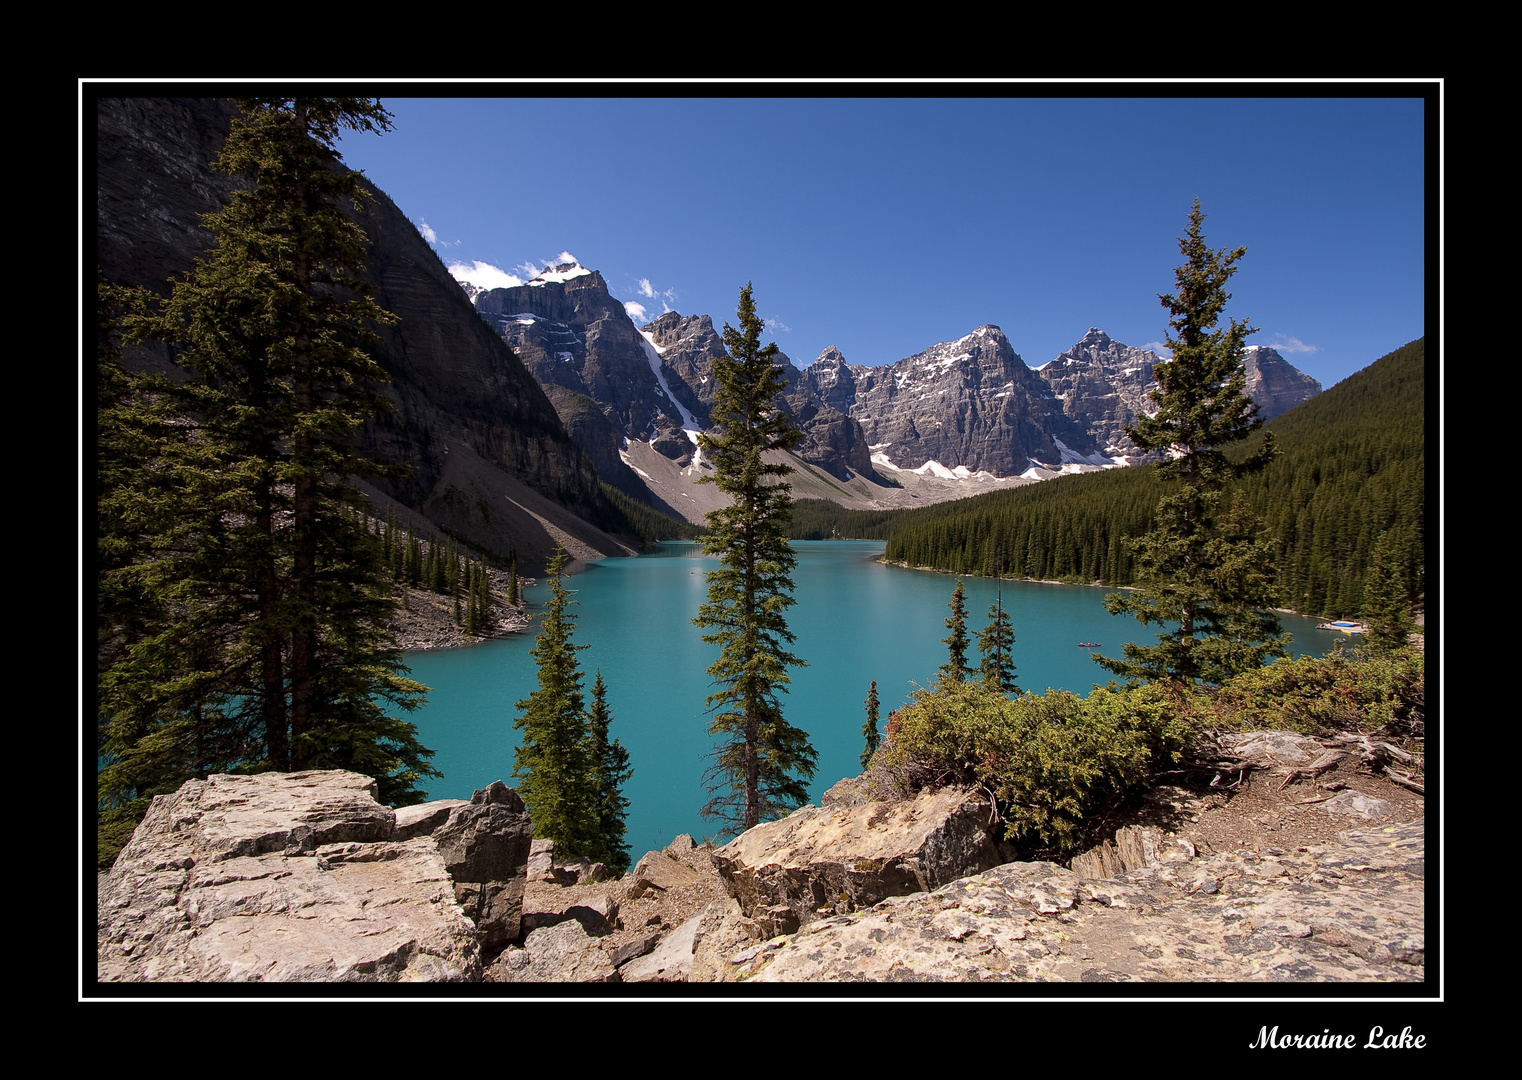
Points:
(560, 272)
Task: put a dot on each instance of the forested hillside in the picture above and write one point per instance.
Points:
(1348, 481)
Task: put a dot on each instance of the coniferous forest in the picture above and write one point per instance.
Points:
(1349, 479)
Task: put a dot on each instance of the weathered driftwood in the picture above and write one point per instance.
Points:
(1328, 760)
(1405, 781)
(1224, 768)
(1372, 752)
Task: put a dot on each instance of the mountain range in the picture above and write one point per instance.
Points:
(511, 404)
(958, 410)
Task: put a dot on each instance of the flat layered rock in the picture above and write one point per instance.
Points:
(670, 961)
(280, 877)
(1350, 911)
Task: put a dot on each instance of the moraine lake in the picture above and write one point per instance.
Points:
(856, 620)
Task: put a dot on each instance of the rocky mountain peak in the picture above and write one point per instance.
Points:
(1275, 384)
(1103, 385)
(564, 272)
(969, 403)
(674, 328)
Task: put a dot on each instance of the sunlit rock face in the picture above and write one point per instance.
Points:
(971, 403)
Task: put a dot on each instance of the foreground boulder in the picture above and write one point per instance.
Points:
(1350, 911)
(853, 853)
(485, 845)
(300, 877)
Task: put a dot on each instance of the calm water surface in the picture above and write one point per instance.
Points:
(856, 620)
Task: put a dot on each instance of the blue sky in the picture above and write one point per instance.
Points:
(885, 225)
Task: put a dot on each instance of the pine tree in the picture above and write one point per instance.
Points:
(610, 771)
(762, 763)
(273, 646)
(413, 566)
(472, 605)
(995, 643)
(484, 615)
(955, 668)
(155, 673)
(553, 761)
(1193, 573)
(869, 729)
(1386, 606)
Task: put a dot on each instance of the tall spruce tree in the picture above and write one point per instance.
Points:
(159, 669)
(1193, 572)
(1386, 606)
(762, 763)
(272, 649)
(869, 729)
(955, 668)
(610, 771)
(554, 761)
(995, 642)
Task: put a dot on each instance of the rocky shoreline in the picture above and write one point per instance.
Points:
(425, 619)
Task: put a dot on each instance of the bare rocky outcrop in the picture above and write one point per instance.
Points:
(1103, 386)
(824, 860)
(1134, 847)
(563, 953)
(304, 877)
(1352, 910)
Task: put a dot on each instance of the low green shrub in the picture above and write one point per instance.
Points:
(1342, 692)
(1056, 762)
(1050, 760)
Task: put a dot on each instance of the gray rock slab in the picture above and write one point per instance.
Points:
(1356, 804)
(823, 860)
(422, 819)
(1346, 912)
(295, 877)
(560, 953)
(388, 917)
(1269, 748)
(671, 961)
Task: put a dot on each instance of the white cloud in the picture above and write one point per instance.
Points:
(1159, 347)
(565, 257)
(427, 231)
(636, 311)
(484, 275)
(1284, 343)
(645, 289)
(776, 324)
(528, 270)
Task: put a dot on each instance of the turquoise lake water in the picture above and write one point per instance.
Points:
(855, 620)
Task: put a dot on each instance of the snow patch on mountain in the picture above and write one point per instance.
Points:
(653, 355)
(562, 273)
(1073, 457)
